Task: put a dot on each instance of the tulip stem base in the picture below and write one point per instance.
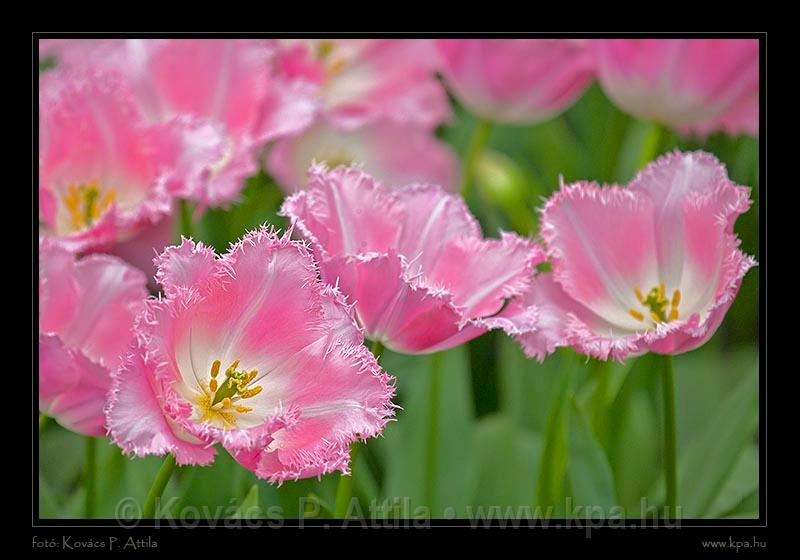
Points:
(157, 489)
(670, 439)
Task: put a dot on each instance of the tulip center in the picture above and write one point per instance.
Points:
(220, 402)
(658, 307)
(331, 57)
(86, 203)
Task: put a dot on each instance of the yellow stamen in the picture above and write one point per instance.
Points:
(676, 298)
(85, 203)
(247, 393)
(226, 402)
(213, 385)
(639, 295)
(243, 409)
(636, 315)
(215, 368)
(661, 290)
(673, 314)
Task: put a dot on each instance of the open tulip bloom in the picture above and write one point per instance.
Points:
(413, 260)
(252, 351)
(651, 267)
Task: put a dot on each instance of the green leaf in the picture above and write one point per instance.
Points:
(713, 451)
(405, 441)
(550, 487)
(250, 507)
(739, 485)
(509, 461)
(590, 478)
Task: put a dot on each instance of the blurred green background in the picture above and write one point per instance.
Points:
(512, 433)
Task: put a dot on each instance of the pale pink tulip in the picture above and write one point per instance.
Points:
(396, 154)
(651, 267)
(413, 260)
(365, 80)
(86, 313)
(104, 173)
(516, 81)
(252, 351)
(692, 85)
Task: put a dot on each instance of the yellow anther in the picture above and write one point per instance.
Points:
(252, 392)
(226, 402)
(85, 203)
(661, 290)
(673, 314)
(215, 368)
(639, 295)
(676, 298)
(250, 377)
(213, 385)
(636, 315)
(232, 368)
(243, 409)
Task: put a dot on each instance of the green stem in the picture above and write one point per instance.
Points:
(654, 143)
(344, 492)
(479, 138)
(433, 431)
(670, 440)
(44, 420)
(157, 489)
(377, 349)
(186, 218)
(89, 476)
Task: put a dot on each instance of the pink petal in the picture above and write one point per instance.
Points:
(137, 423)
(89, 304)
(345, 212)
(396, 154)
(516, 80)
(413, 260)
(385, 79)
(72, 388)
(597, 263)
(690, 84)
(668, 182)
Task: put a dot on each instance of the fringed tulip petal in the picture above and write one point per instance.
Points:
(413, 260)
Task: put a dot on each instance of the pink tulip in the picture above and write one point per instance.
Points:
(413, 260)
(252, 351)
(105, 174)
(86, 313)
(651, 267)
(692, 85)
(397, 154)
(232, 86)
(516, 80)
(366, 80)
